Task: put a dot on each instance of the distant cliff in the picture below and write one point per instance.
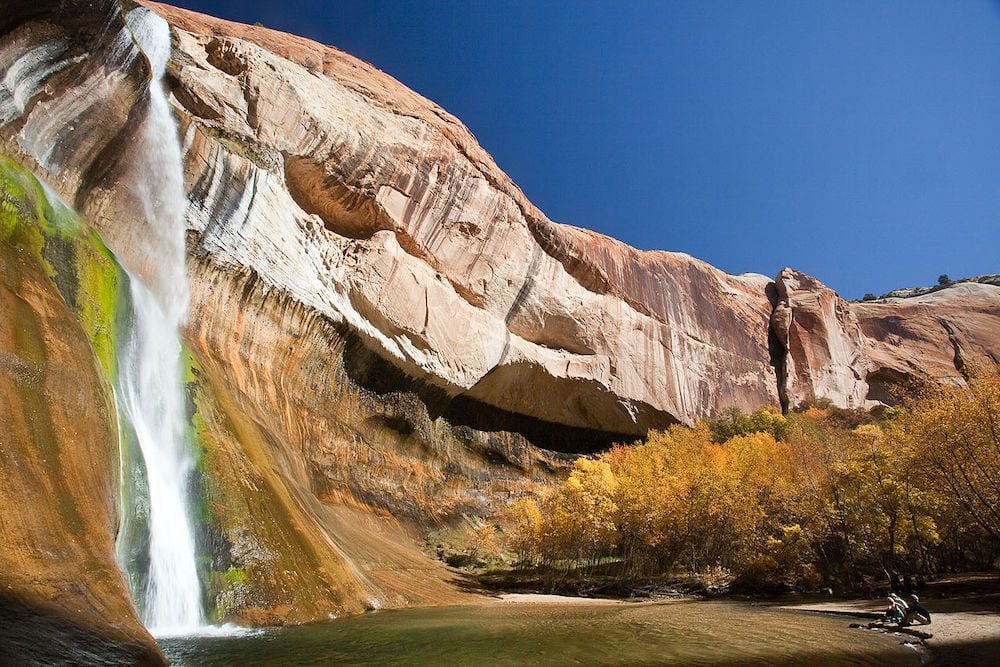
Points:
(384, 332)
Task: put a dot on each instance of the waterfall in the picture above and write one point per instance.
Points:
(150, 368)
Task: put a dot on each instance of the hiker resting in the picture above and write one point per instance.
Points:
(897, 609)
(915, 612)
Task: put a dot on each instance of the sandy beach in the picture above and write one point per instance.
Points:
(965, 614)
(965, 625)
(545, 598)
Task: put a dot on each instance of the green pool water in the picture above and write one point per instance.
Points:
(674, 633)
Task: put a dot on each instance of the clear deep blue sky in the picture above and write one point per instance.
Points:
(857, 141)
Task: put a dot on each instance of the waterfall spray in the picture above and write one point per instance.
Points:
(151, 386)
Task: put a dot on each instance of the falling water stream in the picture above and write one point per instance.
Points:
(151, 379)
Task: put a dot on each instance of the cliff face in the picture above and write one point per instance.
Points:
(377, 210)
(63, 599)
(374, 209)
(396, 223)
(385, 332)
(860, 354)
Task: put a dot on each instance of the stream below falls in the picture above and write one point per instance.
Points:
(569, 633)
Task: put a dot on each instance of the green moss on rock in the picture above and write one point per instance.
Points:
(36, 226)
(90, 280)
(60, 295)
(237, 577)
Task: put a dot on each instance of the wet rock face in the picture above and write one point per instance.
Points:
(62, 598)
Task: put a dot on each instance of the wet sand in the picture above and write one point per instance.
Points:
(965, 624)
(965, 629)
(544, 598)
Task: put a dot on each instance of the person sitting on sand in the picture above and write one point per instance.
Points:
(897, 609)
(916, 612)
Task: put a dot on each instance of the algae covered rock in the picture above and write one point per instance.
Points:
(62, 596)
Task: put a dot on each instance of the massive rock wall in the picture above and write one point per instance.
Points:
(386, 333)
(63, 599)
(425, 248)
(373, 207)
(322, 460)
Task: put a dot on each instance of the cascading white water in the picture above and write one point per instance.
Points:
(151, 380)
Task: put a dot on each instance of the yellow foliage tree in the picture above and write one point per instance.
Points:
(524, 531)
(582, 520)
(785, 498)
(955, 433)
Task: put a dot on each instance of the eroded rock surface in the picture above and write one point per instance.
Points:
(63, 599)
(388, 334)
(375, 208)
(860, 354)
(396, 223)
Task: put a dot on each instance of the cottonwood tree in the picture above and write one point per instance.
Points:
(955, 432)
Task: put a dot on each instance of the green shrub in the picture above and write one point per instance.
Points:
(735, 422)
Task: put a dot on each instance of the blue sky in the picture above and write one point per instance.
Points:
(856, 141)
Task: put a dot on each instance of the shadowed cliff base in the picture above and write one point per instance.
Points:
(37, 633)
(370, 371)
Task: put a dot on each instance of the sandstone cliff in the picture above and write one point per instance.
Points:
(606, 337)
(860, 354)
(63, 599)
(385, 332)
(374, 208)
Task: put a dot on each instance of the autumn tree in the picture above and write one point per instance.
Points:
(785, 501)
(647, 499)
(582, 512)
(820, 505)
(758, 480)
(734, 422)
(888, 517)
(955, 432)
(524, 530)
